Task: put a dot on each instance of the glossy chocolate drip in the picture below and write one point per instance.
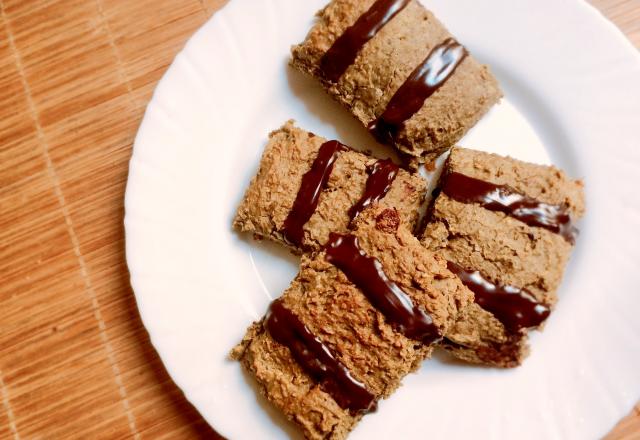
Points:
(313, 182)
(345, 49)
(505, 199)
(381, 177)
(421, 84)
(368, 275)
(515, 308)
(317, 360)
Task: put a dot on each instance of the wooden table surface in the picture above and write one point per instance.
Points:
(75, 77)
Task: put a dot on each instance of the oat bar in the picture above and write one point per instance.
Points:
(361, 314)
(398, 70)
(506, 228)
(307, 187)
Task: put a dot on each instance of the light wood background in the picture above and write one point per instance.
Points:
(75, 77)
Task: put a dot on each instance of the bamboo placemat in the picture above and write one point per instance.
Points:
(75, 77)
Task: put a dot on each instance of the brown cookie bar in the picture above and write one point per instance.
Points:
(505, 227)
(307, 187)
(399, 71)
(361, 314)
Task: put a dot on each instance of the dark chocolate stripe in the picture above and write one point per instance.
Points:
(317, 360)
(345, 49)
(515, 308)
(381, 177)
(555, 218)
(313, 182)
(423, 82)
(368, 275)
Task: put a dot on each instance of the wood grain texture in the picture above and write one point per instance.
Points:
(75, 77)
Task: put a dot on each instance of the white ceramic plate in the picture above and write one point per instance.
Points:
(572, 86)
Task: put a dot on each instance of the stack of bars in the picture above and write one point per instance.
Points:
(376, 292)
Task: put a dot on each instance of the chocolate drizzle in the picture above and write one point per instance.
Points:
(381, 177)
(345, 49)
(555, 218)
(317, 360)
(313, 182)
(423, 82)
(515, 308)
(368, 275)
